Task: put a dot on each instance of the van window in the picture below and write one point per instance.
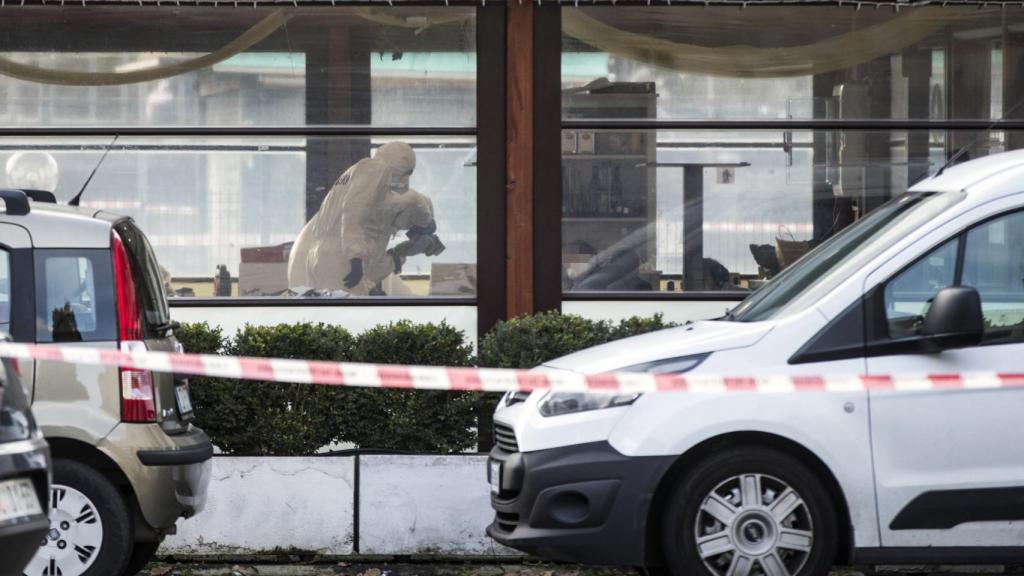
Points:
(909, 295)
(994, 265)
(74, 296)
(148, 275)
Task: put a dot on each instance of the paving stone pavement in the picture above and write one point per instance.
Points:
(487, 569)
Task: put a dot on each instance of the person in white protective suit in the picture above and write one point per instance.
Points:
(344, 247)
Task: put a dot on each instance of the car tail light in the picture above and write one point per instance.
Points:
(138, 400)
(129, 320)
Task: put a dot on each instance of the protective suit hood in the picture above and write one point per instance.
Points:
(398, 156)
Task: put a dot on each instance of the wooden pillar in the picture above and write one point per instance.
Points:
(519, 159)
(490, 171)
(547, 157)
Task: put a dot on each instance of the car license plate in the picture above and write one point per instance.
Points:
(18, 499)
(184, 399)
(494, 476)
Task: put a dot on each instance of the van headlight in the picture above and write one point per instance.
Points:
(559, 403)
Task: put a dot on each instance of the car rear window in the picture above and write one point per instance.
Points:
(74, 296)
(148, 275)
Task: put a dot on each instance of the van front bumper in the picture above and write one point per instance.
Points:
(585, 503)
(170, 475)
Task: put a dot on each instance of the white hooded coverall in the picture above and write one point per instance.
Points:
(367, 206)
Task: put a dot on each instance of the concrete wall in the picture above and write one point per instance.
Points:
(425, 505)
(407, 505)
(273, 504)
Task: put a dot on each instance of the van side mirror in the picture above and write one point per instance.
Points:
(954, 319)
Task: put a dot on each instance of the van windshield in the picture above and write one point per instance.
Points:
(149, 276)
(825, 267)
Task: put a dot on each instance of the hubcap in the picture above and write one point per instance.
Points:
(754, 525)
(73, 542)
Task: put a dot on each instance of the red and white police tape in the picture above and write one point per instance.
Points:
(490, 379)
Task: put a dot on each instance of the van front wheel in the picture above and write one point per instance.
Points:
(749, 512)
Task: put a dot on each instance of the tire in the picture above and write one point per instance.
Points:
(93, 535)
(786, 525)
(141, 555)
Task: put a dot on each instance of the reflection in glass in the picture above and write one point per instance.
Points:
(994, 265)
(287, 66)
(909, 295)
(766, 62)
(727, 210)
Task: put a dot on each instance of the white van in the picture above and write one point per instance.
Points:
(789, 484)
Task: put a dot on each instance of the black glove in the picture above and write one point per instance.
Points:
(436, 247)
(355, 274)
(421, 230)
(398, 259)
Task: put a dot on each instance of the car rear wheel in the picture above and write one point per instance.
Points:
(90, 528)
(750, 512)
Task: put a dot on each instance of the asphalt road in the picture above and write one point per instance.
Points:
(470, 569)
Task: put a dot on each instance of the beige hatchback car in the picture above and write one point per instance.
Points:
(127, 460)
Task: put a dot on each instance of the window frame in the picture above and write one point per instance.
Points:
(879, 343)
(958, 261)
(862, 329)
(550, 295)
(554, 260)
(104, 292)
(489, 139)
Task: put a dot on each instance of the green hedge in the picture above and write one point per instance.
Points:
(415, 420)
(269, 418)
(528, 341)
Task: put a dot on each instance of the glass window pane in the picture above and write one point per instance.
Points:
(727, 210)
(5, 291)
(994, 265)
(223, 215)
(766, 62)
(208, 66)
(909, 295)
(74, 296)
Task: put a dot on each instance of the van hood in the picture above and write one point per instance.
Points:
(696, 338)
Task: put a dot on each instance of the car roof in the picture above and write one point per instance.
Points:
(962, 176)
(62, 226)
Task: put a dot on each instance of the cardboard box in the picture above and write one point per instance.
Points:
(452, 279)
(262, 278)
(277, 253)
